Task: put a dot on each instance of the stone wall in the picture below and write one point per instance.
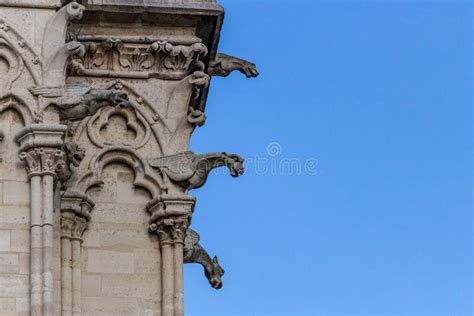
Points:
(21, 29)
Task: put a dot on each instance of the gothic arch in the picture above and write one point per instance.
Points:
(144, 177)
(14, 102)
(23, 52)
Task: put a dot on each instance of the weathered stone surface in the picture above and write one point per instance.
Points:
(5, 240)
(20, 241)
(14, 217)
(109, 306)
(7, 306)
(129, 285)
(9, 263)
(14, 285)
(91, 285)
(105, 261)
(16, 193)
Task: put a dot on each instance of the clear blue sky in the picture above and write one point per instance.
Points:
(379, 94)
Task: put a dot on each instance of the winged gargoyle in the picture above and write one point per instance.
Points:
(224, 64)
(75, 102)
(190, 171)
(195, 253)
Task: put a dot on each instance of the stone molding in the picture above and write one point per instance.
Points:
(170, 206)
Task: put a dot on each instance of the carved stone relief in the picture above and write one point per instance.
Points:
(160, 59)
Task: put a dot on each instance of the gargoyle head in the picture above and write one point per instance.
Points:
(119, 99)
(249, 70)
(235, 163)
(215, 274)
(74, 9)
(74, 153)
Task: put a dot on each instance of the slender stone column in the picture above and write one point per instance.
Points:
(40, 150)
(67, 223)
(48, 286)
(179, 233)
(167, 278)
(75, 217)
(36, 240)
(79, 228)
(170, 220)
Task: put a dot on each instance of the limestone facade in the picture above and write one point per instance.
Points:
(98, 102)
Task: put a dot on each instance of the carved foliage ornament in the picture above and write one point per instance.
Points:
(42, 161)
(72, 226)
(161, 59)
(170, 229)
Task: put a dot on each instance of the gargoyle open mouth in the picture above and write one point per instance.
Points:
(251, 71)
(235, 164)
(120, 100)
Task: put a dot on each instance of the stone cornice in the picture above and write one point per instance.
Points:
(166, 206)
(38, 4)
(158, 6)
(206, 16)
(37, 135)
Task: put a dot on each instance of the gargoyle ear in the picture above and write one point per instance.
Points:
(215, 260)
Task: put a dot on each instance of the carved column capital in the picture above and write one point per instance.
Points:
(44, 151)
(170, 218)
(76, 211)
(43, 161)
(171, 230)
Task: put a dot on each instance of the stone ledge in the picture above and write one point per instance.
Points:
(40, 4)
(177, 6)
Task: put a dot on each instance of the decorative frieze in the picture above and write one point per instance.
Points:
(115, 58)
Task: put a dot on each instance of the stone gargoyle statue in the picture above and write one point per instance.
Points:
(75, 102)
(195, 253)
(74, 154)
(190, 171)
(224, 64)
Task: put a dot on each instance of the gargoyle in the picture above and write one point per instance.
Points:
(195, 253)
(75, 102)
(190, 171)
(223, 65)
(74, 155)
